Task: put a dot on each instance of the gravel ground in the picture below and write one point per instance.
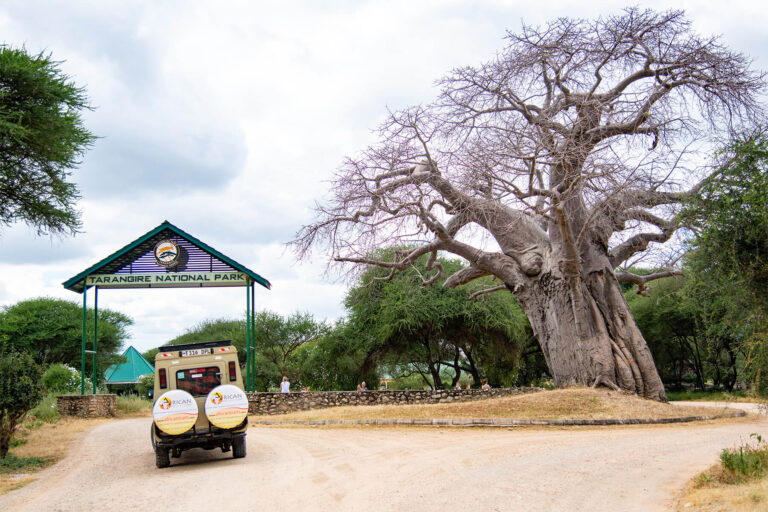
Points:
(111, 467)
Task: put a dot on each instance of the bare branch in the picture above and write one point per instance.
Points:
(641, 281)
(487, 290)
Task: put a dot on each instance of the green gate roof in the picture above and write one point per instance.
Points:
(137, 258)
(129, 371)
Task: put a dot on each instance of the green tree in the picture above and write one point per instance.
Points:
(20, 390)
(431, 328)
(728, 260)
(60, 379)
(51, 330)
(42, 139)
(277, 341)
(687, 343)
(211, 330)
(339, 359)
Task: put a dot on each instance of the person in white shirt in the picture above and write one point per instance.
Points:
(285, 386)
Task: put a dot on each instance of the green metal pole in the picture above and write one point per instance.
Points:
(253, 336)
(95, 332)
(82, 347)
(247, 337)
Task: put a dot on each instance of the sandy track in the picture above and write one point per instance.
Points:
(111, 467)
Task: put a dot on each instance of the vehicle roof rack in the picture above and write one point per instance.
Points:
(201, 344)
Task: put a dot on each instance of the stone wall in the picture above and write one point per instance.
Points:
(87, 406)
(281, 403)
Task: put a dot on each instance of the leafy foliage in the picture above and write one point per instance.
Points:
(46, 410)
(731, 221)
(429, 328)
(61, 379)
(146, 384)
(20, 390)
(211, 330)
(43, 137)
(728, 261)
(13, 464)
(278, 341)
(745, 462)
(687, 347)
(277, 338)
(51, 330)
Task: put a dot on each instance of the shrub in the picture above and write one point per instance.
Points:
(146, 383)
(20, 390)
(745, 462)
(13, 464)
(62, 379)
(132, 404)
(46, 410)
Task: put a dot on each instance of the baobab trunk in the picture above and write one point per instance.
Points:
(587, 333)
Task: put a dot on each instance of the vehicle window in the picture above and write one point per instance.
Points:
(198, 381)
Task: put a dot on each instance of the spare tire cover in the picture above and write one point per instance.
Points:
(175, 412)
(226, 406)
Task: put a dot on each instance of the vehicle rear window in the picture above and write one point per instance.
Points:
(198, 381)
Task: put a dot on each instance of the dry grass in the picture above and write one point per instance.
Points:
(49, 442)
(572, 403)
(132, 406)
(706, 493)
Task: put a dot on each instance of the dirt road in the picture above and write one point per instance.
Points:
(111, 467)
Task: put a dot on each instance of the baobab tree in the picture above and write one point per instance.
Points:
(548, 168)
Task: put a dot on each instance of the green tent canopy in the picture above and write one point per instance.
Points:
(129, 372)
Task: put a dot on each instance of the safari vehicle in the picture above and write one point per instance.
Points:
(200, 402)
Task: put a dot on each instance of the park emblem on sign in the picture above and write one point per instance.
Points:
(167, 253)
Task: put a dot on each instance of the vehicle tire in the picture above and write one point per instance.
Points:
(238, 447)
(162, 457)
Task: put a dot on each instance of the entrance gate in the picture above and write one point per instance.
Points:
(166, 257)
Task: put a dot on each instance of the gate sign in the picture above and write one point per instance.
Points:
(174, 279)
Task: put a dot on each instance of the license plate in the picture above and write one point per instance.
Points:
(195, 352)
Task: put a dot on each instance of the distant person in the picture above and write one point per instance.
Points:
(486, 386)
(457, 386)
(285, 386)
(362, 387)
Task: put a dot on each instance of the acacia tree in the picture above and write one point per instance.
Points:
(51, 331)
(548, 167)
(42, 138)
(433, 328)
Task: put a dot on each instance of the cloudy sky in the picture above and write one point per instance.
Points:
(228, 118)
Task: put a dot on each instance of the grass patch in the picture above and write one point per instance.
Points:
(46, 410)
(738, 483)
(746, 462)
(713, 396)
(13, 464)
(572, 403)
(48, 442)
(17, 442)
(132, 405)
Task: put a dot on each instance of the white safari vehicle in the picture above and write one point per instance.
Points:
(200, 402)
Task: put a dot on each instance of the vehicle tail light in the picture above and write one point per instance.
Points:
(232, 372)
(163, 378)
